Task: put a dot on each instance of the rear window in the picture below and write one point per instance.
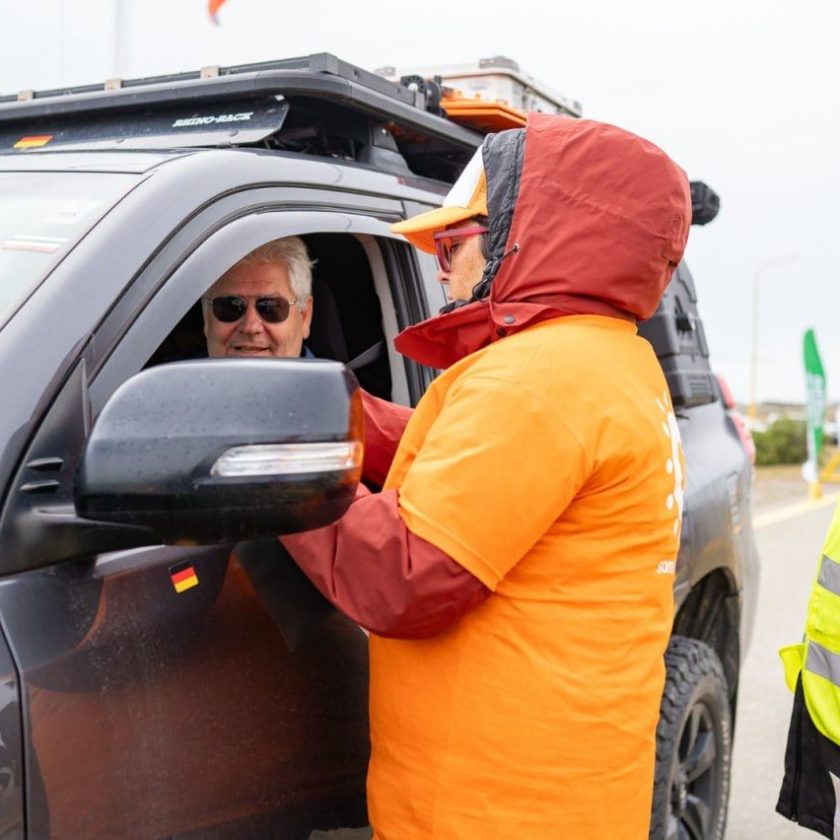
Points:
(42, 215)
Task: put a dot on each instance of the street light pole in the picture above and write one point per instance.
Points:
(760, 269)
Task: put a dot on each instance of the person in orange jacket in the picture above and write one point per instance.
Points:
(516, 570)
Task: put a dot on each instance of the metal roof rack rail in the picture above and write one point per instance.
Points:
(217, 106)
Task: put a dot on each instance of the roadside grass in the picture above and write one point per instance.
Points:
(781, 484)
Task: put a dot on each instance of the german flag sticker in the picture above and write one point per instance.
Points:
(34, 141)
(183, 577)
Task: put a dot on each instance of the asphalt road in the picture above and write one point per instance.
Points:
(790, 537)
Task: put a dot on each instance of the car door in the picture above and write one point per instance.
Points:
(234, 707)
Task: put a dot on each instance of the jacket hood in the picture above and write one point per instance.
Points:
(584, 218)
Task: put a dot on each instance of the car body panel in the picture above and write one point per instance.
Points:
(12, 787)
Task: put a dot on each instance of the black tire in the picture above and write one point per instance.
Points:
(693, 746)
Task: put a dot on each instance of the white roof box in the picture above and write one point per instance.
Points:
(496, 79)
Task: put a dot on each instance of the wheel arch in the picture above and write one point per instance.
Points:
(711, 613)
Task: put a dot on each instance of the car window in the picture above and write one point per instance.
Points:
(42, 215)
(347, 318)
(354, 319)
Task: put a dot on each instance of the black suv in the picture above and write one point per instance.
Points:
(157, 681)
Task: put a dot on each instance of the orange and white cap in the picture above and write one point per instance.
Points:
(467, 198)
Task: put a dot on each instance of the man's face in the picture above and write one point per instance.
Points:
(467, 265)
(251, 335)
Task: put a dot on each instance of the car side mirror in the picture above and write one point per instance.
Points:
(221, 450)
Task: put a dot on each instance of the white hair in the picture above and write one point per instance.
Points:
(290, 253)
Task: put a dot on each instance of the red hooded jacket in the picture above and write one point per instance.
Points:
(543, 466)
(584, 218)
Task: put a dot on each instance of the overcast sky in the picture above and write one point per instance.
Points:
(743, 94)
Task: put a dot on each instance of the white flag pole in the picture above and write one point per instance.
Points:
(62, 64)
(121, 19)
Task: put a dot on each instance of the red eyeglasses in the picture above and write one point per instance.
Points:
(446, 239)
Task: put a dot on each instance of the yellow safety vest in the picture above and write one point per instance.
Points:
(817, 658)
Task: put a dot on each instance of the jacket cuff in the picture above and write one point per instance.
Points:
(385, 423)
(387, 579)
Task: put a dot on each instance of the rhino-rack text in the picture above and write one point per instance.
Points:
(222, 118)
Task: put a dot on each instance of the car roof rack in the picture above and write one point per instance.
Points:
(316, 104)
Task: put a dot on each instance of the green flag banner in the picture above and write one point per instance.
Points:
(815, 410)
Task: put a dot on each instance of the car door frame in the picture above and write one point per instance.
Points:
(140, 320)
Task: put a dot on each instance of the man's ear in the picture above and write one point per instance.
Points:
(306, 314)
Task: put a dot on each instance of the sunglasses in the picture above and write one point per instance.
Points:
(230, 308)
(446, 239)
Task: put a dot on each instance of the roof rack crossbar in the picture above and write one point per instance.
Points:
(317, 63)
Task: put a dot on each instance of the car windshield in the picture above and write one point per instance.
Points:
(42, 215)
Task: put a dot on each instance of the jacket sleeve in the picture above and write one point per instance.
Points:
(384, 426)
(390, 581)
